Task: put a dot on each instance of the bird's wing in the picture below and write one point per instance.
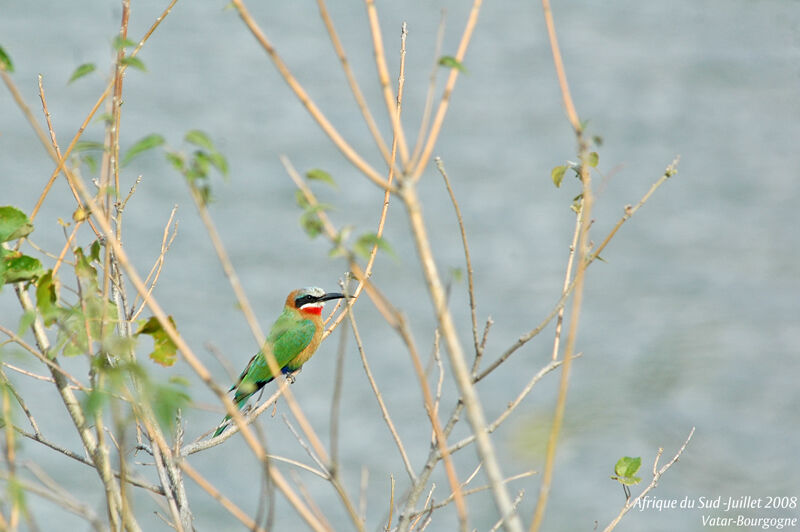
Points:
(288, 337)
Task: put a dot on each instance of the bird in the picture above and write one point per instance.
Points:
(293, 339)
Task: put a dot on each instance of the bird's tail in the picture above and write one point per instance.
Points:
(226, 421)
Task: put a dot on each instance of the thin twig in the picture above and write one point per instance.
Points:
(391, 505)
(55, 150)
(12, 88)
(226, 503)
(336, 402)
(155, 271)
(437, 357)
(670, 171)
(511, 406)
(384, 411)
(6, 383)
(472, 491)
(567, 279)
(572, 114)
(337, 485)
(54, 366)
(59, 497)
(499, 522)
(467, 260)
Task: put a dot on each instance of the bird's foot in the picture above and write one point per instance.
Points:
(291, 375)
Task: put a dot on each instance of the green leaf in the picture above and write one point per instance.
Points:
(164, 352)
(94, 251)
(119, 43)
(310, 221)
(146, 143)
(90, 162)
(577, 203)
(88, 145)
(94, 402)
(167, 400)
(105, 117)
(16, 267)
(84, 69)
(177, 160)
(311, 224)
(592, 159)
(47, 297)
(557, 174)
(83, 267)
(14, 224)
(363, 246)
(5, 61)
(449, 61)
(301, 200)
(625, 470)
(134, 62)
(318, 174)
(25, 321)
(219, 162)
(200, 139)
(200, 165)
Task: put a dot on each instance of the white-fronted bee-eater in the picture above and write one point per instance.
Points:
(293, 339)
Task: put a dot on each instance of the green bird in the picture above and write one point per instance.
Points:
(293, 339)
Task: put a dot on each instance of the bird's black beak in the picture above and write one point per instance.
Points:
(332, 295)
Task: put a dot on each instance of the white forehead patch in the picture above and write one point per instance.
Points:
(313, 291)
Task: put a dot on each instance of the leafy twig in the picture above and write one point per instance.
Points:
(657, 473)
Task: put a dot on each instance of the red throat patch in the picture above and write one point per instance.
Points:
(312, 310)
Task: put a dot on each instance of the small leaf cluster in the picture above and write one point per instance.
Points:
(312, 224)
(625, 470)
(557, 173)
(196, 167)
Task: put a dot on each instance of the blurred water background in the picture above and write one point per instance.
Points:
(693, 320)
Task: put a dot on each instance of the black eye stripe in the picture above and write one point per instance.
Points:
(300, 301)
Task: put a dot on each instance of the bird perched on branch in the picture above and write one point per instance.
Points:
(293, 339)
